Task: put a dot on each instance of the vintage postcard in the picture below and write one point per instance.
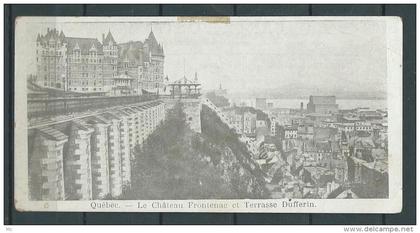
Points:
(208, 114)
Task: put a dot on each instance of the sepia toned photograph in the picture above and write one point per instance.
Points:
(208, 114)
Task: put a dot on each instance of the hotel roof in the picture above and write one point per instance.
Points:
(83, 44)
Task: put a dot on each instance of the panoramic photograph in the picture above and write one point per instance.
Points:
(197, 110)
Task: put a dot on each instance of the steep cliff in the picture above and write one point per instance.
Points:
(178, 163)
(222, 146)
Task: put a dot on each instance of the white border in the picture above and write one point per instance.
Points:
(394, 80)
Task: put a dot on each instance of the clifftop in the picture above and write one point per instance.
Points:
(177, 163)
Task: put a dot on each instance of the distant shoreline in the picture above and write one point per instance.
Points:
(307, 98)
(344, 103)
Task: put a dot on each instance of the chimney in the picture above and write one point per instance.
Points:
(103, 37)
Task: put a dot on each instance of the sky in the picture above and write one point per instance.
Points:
(333, 56)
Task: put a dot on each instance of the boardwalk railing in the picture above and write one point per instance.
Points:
(44, 107)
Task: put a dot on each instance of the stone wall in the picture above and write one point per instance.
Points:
(46, 164)
(89, 157)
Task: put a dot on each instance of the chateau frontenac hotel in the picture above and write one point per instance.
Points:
(87, 65)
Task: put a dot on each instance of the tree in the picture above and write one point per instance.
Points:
(168, 168)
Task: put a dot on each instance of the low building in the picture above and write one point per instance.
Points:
(261, 103)
(243, 121)
(288, 132)
(322, 104)
(250, 123)
(367, 114)
(363, 126)
(237, 122)
(273, 124)
(319, 119)
(345, 127)
(322, 134)
(305, 131)
(319, 153)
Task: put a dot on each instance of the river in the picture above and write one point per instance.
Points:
(342, 103)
